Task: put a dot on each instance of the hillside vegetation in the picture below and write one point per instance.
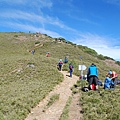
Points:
(25, 79)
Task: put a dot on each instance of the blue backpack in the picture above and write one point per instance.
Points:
(108, 83)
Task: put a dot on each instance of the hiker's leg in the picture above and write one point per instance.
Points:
(96, 82)
(60, 67)
(90, 82)
(70, 73)
(96, 87)
(115, 82)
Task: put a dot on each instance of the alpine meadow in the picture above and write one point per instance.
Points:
(26, 78)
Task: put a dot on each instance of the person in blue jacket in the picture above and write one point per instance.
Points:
(108, 83)
(92, 75)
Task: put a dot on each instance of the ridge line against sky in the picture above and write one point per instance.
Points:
(91, 23)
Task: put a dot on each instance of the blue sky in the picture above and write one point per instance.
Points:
(92, 23)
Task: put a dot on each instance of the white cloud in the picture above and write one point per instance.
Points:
(32, 17)
(92, 40)
(59, 23)
(13, 1)
(110, 52)
(47, 3)
(42, 3)
(101, 44)
(115, 2)
(15, 14)
(40, 18)
(31, 28)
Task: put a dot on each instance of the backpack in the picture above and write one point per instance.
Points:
(100, 83)
(108, 83)
(93, 87)
(71, 67)
(61, 62)
(118, 81)
(85, 89)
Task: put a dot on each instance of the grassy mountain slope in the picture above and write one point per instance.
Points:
(25, 78)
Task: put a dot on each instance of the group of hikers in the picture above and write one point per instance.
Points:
(110, 81)
(60, 64)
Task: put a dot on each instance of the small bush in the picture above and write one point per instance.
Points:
(15, 35)
(118, 62)
(37, 42)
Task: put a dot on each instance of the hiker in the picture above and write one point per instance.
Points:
(113, 76)
(47, 54)
(92, 77)
(60, 63)
(108, 83)
(83, 77)
(71, 69)
(65, 60)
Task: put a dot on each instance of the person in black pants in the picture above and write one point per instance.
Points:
(92, 76)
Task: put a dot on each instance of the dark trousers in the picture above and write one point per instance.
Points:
(93, 80)
(115, 81)
(60, 67)
(71, 73)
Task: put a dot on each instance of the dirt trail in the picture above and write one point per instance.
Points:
(75, 109)
(55, 110)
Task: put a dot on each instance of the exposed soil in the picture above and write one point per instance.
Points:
(111, 63)
(75, 109)
(41, 112)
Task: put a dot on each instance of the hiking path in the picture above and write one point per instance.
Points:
(40, 112)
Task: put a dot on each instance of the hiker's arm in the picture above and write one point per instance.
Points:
(114, 76)
(88, 72)
(97, 72)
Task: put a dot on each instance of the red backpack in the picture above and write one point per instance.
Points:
(61, 62)
(93, 87)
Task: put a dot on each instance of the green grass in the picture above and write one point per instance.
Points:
(65, 113)
(53, 99)
(103, 106)
(23, 87)
(21, 91)
(99, 106)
